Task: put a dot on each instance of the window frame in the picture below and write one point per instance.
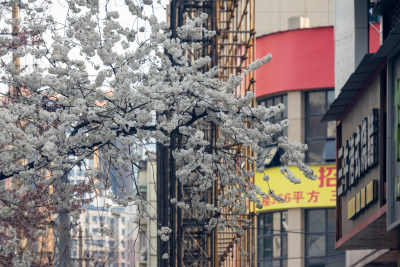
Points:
(272, 234)
(308, 115)
(334, 255)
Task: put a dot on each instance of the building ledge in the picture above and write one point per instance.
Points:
(370, 234)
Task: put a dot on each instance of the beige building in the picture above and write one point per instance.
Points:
(88, 242)
(147, 242)
(90, 247)
(299, 232)
(281, 15)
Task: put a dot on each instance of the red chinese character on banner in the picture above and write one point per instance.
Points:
(298, 195)
(287, 198)
(333, 195)
(313, 196)
(327, 176)
(265, 201)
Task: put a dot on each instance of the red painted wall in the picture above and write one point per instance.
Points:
(374, 37)
(301, 60)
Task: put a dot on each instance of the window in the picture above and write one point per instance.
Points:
(79, 172)
(269, 156)
(320, 136)
(272, 239)
(320, 239)
(143, 245)
(74, 243)
(273, 101)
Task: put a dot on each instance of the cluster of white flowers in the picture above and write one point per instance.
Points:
(193, 29)
(164, 233)
(165, 256)
(258, 63)
(98, 86)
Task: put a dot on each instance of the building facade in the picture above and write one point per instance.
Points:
(147, 241)
(105, 234)
(90, 246)
(366, 116)
(299, 232)
(282, 15)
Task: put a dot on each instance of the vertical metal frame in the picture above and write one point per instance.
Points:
(232, 49)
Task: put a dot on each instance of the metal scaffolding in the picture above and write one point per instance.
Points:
(235, 51)
(232, 49)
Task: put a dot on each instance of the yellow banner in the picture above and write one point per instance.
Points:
(308, 194)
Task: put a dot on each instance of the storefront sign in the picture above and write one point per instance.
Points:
(308, 194)
(359, 154)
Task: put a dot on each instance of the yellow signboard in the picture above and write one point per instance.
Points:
(308, 194)
(362, 203)
(351, 208)
(371, 192)
(361, 200)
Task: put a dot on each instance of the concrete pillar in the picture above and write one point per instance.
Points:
(295, 108)
(296, 237)
(351, 38)
(361, 30)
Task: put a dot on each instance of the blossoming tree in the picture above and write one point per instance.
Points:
(110, 73)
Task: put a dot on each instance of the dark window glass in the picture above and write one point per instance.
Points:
(272, 239)
(316, 102)
(316, 132)
(269, 102)
(315, 148)
(320, 239)
(320, 136)
(331, 220)
(315, 245)
(316, 220)
(331, 97)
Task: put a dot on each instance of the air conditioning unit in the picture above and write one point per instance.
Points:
(298, 22)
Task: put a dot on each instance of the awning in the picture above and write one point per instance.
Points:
(362, 75)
